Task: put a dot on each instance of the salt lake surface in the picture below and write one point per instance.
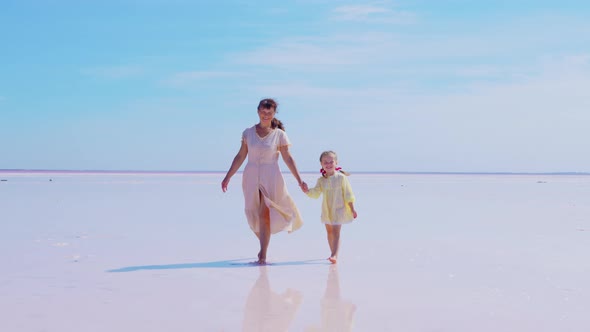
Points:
(170, 252)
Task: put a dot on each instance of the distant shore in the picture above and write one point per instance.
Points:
(164, 172)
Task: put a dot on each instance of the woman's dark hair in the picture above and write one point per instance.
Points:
(271, 104)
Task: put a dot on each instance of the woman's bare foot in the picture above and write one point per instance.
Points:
(333, 260)
(261, 260)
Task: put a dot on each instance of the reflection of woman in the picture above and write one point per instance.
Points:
(337, 314)
(268, 205)
(267, 310)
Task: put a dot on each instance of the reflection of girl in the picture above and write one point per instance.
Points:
(337, 314)
(267, 310)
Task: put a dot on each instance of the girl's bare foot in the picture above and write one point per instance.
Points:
(261, 260)
(333, 260)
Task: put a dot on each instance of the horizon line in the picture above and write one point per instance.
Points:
(81, 171)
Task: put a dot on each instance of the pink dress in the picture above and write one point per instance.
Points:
(263, 175)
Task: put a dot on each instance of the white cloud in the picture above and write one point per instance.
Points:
(339, 97)
(371, 14)
(483, 50)
(536, 123)
(580, 59)
(294, 53)
(358, 11)
(188, 78)
(326, 52)
(562, 81)
(114, 72)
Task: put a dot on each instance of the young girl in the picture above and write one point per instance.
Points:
(338, 200)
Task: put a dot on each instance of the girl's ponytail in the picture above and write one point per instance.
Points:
(338, 169)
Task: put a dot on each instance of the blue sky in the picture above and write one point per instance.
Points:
(446, 85)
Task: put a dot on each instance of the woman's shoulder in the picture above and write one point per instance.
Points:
(281, 137)
(280, 132)
(249, 129)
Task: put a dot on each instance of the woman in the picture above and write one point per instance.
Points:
(269, 208)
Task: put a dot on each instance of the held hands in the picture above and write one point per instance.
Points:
(304, 187)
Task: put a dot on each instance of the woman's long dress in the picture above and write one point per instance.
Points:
(262, 177)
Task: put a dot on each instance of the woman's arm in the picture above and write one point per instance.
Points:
(235, 165)
(290, 162)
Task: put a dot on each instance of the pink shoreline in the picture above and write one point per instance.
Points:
(104, 172)
(43, 171)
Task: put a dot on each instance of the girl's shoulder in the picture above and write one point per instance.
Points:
(341, 177)
(321, 180)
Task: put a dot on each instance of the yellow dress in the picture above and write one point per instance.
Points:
(263, 175)
(337, 193)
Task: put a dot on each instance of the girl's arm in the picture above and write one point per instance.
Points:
(351, 204)
(347, 190)
(348, 195)
(316, 191)
(290, 162)
(235, 165)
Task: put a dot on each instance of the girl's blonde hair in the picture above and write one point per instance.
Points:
(327, 153)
